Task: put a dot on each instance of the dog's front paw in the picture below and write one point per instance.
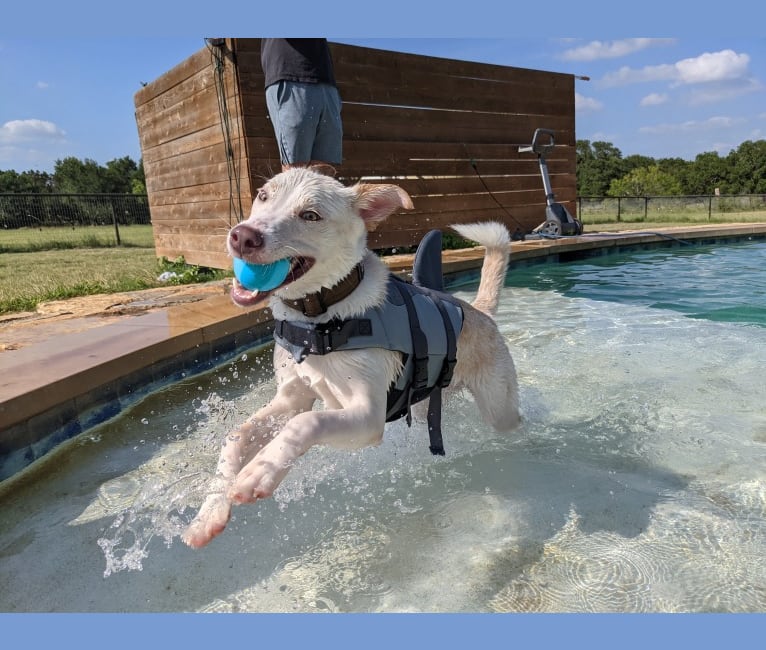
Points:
(257, 480)
(209, 522)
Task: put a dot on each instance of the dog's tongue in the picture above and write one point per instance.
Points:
(245, 297)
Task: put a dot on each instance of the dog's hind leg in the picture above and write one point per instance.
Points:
(498, 399)
(485, 367)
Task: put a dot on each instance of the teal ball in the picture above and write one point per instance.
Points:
(261, 277)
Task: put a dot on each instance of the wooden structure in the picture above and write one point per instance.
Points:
(447, 131)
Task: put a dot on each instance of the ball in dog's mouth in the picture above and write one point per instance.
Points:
(269, 277)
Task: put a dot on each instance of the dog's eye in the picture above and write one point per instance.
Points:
(262, 196)
(310, 215)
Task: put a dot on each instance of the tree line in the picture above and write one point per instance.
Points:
(74, 176)
(602, 171)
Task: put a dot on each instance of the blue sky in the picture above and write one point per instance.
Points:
(72, 95)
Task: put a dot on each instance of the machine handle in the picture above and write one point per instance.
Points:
(539, 146)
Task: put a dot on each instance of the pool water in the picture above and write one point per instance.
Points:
(636, 483)
(721, 283)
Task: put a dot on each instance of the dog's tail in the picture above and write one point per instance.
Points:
(495, 238)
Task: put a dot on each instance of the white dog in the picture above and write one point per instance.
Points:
(321, 226)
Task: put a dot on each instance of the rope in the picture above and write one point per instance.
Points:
(232, 167)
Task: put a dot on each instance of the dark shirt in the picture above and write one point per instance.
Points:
(296, 59)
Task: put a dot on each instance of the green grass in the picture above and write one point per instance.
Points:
(609, 223)
(27, 279)
(25, 240)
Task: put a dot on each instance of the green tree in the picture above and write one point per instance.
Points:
(645, 181)
(708, 173)
(117, 177)
(680, 169)
(636, 161)
(138, 182)
(598, 164)
(747, 166)
(29, 182)
(74, 176)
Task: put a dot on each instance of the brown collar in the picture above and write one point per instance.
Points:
(316, 304)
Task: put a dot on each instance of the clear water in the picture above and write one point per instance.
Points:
(720, 283)
(636, 483)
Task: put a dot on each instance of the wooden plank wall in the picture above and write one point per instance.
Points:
(443, 129)
(197, 186)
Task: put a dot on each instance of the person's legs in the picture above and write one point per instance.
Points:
(306, 120)
(295, 118)
(328, 145)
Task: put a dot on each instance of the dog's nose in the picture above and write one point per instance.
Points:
(244, 239)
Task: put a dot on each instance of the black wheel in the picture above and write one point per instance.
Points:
(551, 227)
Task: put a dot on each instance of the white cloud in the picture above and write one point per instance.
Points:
(612, 49)
(714, 123)
(586, 104)
(654, 99)
(716, 66)
(716, 92)
(725, 65)
(627, 75)
(42, 85)
(17, 131)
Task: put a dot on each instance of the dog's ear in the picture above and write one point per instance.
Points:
(324, 169)
(376, 202)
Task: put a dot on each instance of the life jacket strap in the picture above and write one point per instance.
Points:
(322, 338)
(420, 374)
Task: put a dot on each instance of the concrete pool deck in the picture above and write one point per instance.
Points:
(59, 377)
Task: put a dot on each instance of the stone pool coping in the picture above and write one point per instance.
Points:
(64, 383)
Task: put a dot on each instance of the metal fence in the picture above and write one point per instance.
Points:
(41, 210)
(594, 209)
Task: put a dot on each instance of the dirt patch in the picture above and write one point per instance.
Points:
(59, 317)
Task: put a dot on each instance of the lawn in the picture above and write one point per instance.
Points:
(22, 240)
(57, 263)
(595, 223)
(29, 278)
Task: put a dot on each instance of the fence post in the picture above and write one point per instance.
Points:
(709, 207)
(646, 207)
(114, 221)
(618, 208)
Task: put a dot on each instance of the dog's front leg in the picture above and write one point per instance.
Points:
(240, 446)
(349, 428)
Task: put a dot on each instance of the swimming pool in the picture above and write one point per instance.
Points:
(636, 483)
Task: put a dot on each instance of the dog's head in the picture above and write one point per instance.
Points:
(317, 223)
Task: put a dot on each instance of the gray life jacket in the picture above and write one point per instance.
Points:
(421, 323)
